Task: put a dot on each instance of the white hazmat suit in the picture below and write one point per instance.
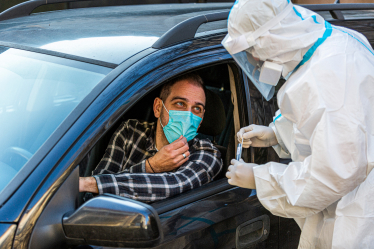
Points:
(325, 124)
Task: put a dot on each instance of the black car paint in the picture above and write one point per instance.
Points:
(210, 221)
(201, 223)
(97, 222)
(7, 232)
(92, 123)
(214, 220)
(40, 30)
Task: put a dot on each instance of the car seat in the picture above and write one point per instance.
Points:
(214, 121)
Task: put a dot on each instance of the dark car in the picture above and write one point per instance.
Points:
(69, 78)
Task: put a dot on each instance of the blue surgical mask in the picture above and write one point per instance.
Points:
(183, 123)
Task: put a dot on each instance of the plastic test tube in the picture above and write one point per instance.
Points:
(239, 150)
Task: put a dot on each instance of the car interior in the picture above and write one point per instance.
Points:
(217, 125)
(220, 123)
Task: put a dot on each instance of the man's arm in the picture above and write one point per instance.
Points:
(88, 184)
(167, 159)
(202, 167)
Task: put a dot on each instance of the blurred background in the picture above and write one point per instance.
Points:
(5, 4)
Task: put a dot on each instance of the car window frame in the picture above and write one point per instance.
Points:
(115, 98)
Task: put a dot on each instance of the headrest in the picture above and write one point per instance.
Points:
(214, 118)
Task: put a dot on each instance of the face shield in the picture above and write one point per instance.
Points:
(263, 74)
(263, 77)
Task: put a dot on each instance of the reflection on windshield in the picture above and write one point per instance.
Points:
(91, 47)
(37, 92)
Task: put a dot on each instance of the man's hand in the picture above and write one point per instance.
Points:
(88, 184)
(257, 136)
(169, 157)
(241, 174)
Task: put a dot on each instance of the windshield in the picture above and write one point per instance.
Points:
(37, 92)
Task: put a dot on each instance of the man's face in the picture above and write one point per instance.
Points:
(184, 96)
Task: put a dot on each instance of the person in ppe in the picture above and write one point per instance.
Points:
(325, 121)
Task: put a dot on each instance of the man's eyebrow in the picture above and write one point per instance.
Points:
(181, 98)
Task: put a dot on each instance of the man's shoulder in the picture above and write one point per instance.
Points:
(136, 125)
(202, 143)
(205, 145)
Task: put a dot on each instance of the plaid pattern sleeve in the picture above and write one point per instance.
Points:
(202, 167)
(127, 151)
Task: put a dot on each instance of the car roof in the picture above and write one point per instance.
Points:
(109, 34)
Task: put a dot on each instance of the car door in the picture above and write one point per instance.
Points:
(216, 215)
(215, 210)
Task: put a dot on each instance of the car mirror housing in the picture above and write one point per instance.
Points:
(109, 220)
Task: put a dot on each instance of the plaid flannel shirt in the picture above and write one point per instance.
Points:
(122, 169)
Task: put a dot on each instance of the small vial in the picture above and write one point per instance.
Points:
(239, 151)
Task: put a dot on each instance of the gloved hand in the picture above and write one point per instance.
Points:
(257, 136)
(241, 174)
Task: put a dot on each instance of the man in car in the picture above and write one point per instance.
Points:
(153, 161)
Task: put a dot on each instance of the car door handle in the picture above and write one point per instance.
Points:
(252, 232)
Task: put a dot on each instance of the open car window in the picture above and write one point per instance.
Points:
(217, 82)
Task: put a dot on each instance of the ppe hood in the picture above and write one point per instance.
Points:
(274, 30)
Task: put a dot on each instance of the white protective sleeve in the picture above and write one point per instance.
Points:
(286, 126)
(326, 108)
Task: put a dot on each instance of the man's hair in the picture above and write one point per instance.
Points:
(192, 78)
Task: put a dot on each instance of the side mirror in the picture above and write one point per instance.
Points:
(110, 220)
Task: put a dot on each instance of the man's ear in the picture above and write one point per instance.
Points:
(157, 106)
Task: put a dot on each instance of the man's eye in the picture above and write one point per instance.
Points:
(198, 109)
(179, 104)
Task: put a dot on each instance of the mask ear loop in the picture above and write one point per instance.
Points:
(160, 113)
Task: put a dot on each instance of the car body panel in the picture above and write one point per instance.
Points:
(6, 235)
(107, 106)
(221, 210)
(49, 230)
(79, 139)
(210, 221)
(110, 34)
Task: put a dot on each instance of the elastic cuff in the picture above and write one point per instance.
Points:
(107, 184)
(138, 168)
(279, 139)
(99, 185)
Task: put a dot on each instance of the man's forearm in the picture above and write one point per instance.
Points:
(88, 184)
